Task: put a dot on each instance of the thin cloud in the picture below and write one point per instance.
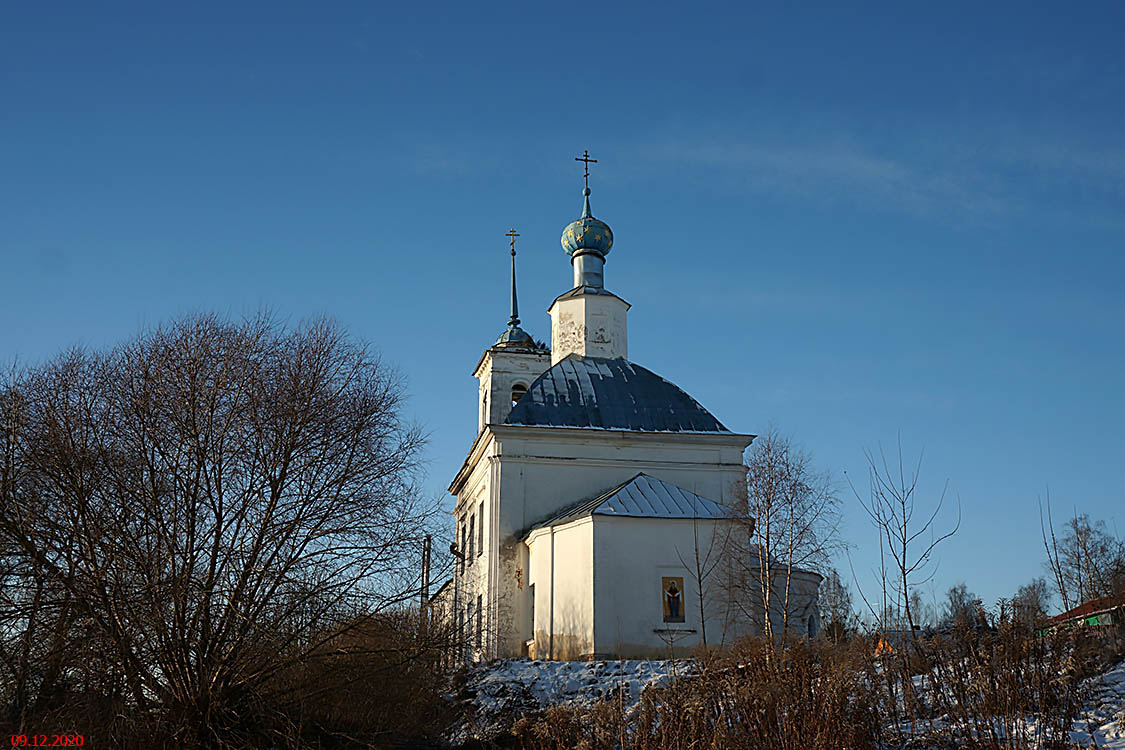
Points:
(932, 175)
(843, 171)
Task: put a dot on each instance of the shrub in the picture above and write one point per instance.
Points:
(1002, 688)
(807, 696)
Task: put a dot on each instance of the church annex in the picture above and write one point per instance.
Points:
(590, 486)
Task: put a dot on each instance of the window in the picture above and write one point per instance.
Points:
(518, 390)
(472, 534)
(468, 623)
(461, 564)
(480, 529)
(480, 619)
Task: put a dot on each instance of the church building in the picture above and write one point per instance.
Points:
(593, 491)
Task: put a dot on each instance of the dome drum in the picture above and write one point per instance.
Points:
(589, 269)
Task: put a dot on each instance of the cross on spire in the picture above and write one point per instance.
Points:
(587, 161)
(512, 233)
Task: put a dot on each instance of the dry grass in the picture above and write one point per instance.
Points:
(808, 696)
(376, 688)
(1001, 690)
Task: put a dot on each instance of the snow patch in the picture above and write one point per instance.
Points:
(496, 693)
(1103, 722)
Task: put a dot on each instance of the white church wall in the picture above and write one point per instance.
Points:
(802, 604)
(561, 563)
(543, 470)
(801, 601)
(632, 556)
(477, 499)
(599, 585)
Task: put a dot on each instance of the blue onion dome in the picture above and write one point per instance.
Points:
(514, 336)
(587, 234)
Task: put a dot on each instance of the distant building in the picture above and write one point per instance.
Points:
(1106, 612)
(590, 484)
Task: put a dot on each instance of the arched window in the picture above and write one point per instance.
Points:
(517, 392)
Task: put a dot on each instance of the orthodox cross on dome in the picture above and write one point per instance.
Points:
(514, 321)
(587, 161)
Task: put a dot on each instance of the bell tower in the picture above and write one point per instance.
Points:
(509, 366)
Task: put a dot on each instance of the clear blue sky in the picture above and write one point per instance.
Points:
(846, 224)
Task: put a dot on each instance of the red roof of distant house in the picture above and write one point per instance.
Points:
(1094, 606)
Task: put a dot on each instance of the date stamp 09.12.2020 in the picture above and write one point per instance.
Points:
(47, 740)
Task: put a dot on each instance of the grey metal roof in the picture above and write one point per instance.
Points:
(611, 394)
(641, 497)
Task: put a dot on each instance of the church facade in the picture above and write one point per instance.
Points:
(592, 491)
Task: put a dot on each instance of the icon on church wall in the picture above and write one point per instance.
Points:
(672, 592)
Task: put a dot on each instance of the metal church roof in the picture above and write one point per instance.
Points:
(641, 497)
(610, 394)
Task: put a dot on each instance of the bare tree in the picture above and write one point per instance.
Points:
(836, 606)
(961, 606)
(1090, 561)
(789, 524)
(908, 542)
(924, 613)
(1054, 559)
(1085, 561)
(195, 511)
(704, 560)
(1029, 605)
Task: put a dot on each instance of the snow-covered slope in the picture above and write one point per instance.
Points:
(1103, 723)
(496, 692)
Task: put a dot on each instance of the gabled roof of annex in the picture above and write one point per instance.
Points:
(643, 496)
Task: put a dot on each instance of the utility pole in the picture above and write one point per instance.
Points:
(425, 603)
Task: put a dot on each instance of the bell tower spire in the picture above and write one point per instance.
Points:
(514, 321)
(514, 336)
(509, 366)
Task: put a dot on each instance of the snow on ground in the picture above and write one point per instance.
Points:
(499, 691)
(496, 693)
(1103, 723)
